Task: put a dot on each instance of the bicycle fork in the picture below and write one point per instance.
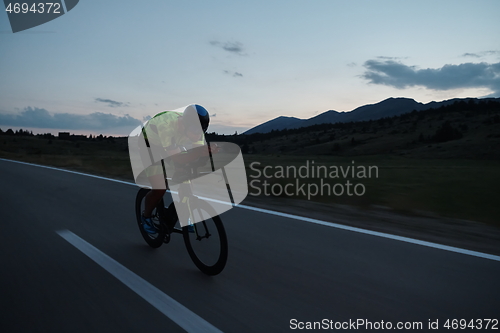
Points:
(195, 225)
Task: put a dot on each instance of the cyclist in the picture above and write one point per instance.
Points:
(169, 132)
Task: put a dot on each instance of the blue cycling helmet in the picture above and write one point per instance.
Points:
(199, 111)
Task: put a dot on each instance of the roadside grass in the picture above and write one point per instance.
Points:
(104, 158)
(466, 189)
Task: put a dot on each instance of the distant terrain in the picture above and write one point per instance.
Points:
(386, 108)
(442, 160)
(468, 128)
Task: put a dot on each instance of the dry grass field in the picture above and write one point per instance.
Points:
(443, 161)
(460, 188)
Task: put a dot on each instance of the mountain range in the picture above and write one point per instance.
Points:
(386, 108)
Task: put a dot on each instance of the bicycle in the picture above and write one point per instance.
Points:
(206, 240)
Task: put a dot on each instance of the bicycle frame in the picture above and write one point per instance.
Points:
(185, 195)
(210, 256)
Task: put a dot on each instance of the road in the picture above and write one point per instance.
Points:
(279, 268)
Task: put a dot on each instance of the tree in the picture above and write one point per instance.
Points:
(446, 133)
(244, 149)
(336, 147)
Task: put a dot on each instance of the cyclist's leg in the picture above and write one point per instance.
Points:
(154, 196)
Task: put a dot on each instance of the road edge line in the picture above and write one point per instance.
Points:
(310, 220)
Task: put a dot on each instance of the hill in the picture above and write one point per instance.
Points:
(464, 128)
(279, 123)
(386, 108)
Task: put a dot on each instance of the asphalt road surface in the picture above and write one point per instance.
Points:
(73, 260)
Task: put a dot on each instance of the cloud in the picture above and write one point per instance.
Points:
(234, 74)
(111, 103)
(233, 47)
(41, 118)
(390, 58)
(466, 75)
(475, 55)
(482, 54)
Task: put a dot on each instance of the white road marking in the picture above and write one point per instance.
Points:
(69, 171)
(376, 233)
(178, 313)
(310, 220)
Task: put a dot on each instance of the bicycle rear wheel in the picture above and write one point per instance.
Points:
(207, 245)
(154, 240)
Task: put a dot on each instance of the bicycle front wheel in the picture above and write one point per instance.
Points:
(207, 243)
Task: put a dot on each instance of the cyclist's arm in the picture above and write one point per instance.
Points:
(173, 150)
(184, 155)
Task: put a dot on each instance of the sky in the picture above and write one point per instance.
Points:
(106, 66)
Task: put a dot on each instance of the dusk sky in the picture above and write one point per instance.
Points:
(106, 66)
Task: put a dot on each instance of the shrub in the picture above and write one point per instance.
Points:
(446, 133)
